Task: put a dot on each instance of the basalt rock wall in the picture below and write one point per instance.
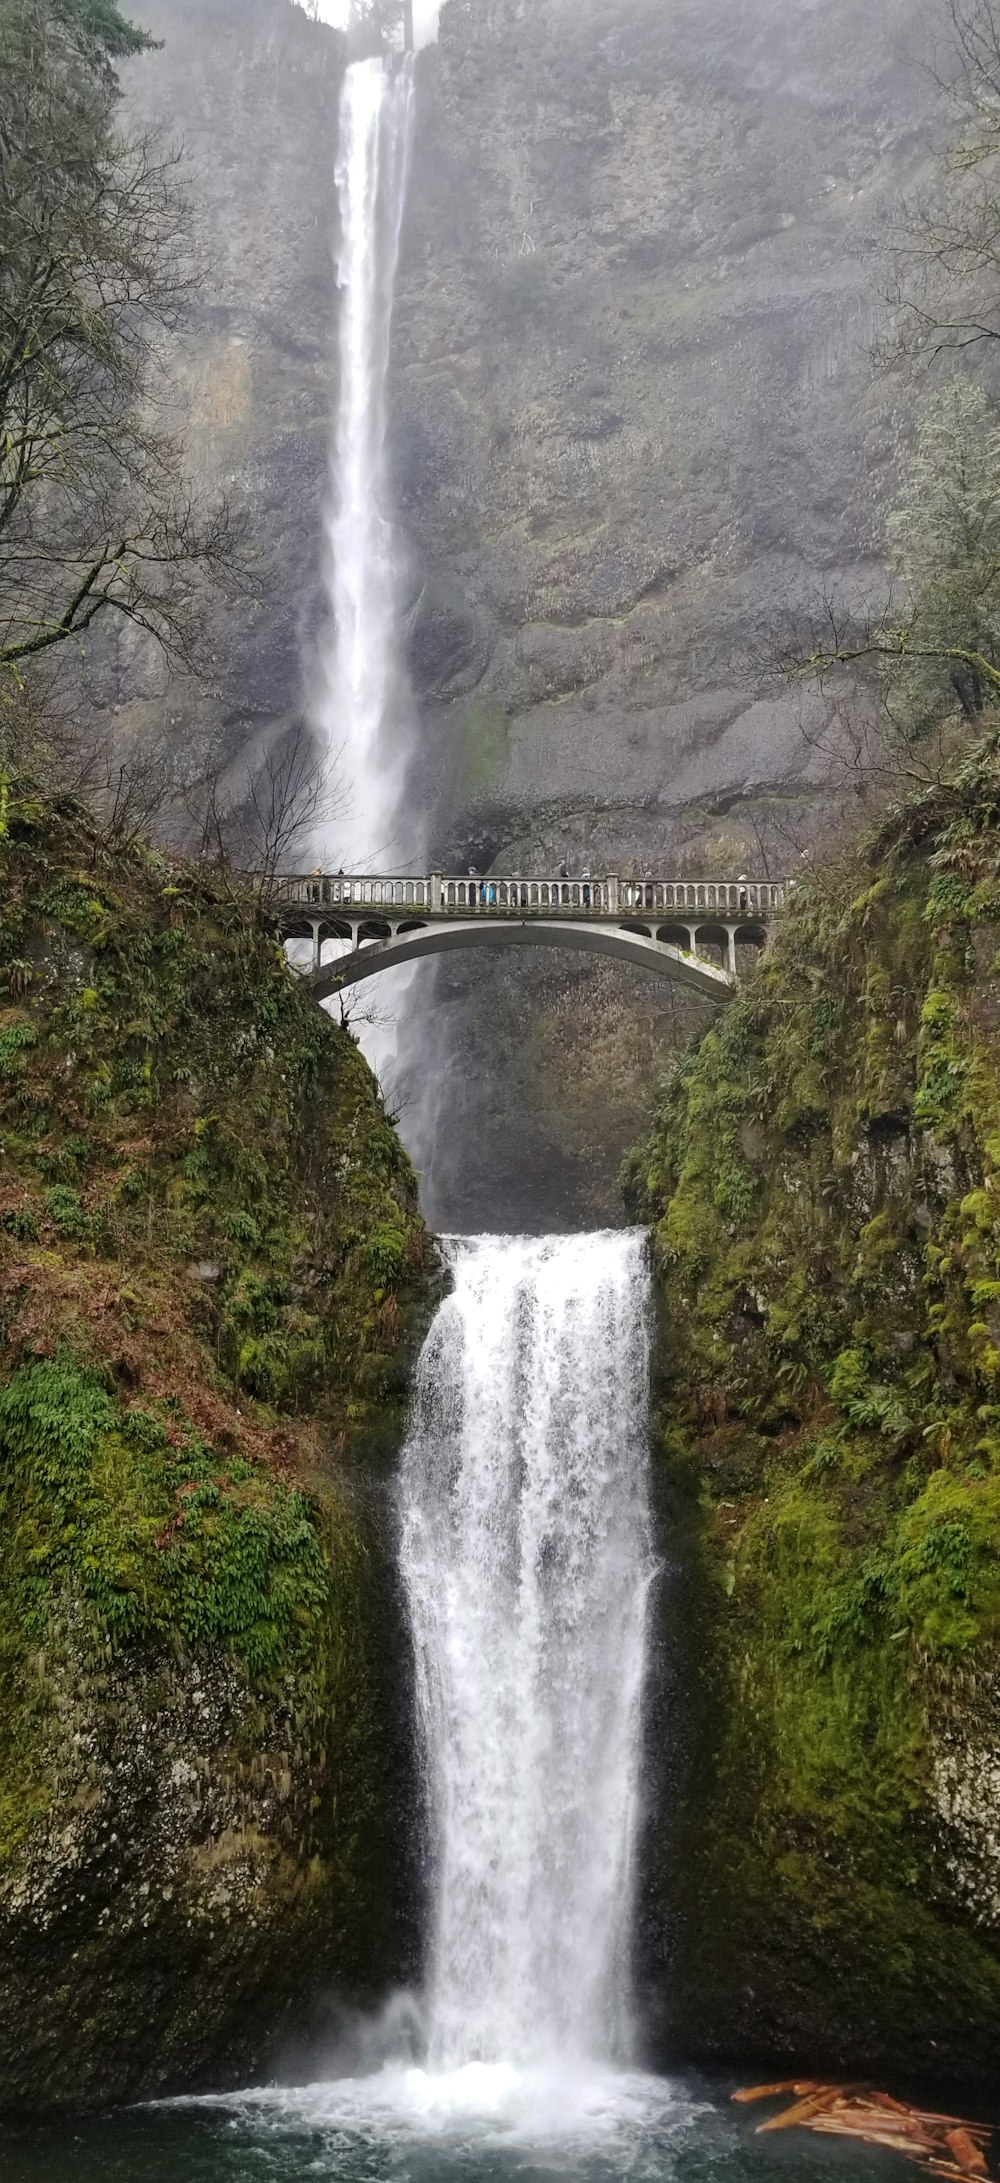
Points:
(633, 414)
(248, 92)
(211, 1273)
(822, 1862)
(634, 418)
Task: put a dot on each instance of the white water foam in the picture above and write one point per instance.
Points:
(526, 1554)
(363, 708)
(562, 2113)
(527, 1561)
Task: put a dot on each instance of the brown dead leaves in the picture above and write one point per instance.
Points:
(941, 2144)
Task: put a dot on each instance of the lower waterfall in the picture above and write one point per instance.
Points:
(527, 1559)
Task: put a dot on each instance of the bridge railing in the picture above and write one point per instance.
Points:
(350, 891)
(603, 895)
(726, 898)
(555, 896)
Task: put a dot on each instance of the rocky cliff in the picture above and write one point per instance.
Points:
(632, 414)
(632, 369)
(247, 91)
(210, 1260)
(824, 1864)
(634, 418)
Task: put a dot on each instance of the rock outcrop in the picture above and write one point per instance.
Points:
(210, 1266)
(823, 1874)
(249, 91)
(632, 380)
(634, 420)
(633, 415)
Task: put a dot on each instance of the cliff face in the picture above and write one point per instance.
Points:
(210, 1259)
(632, 416)
(249, 91)
(634, 419)
(824, 1868)
(632, 360)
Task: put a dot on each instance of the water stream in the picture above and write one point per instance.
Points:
(527, 1561)
(526, 1555)
(362, 706)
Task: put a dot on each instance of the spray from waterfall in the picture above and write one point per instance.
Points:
(527, 1563)
(363, 708)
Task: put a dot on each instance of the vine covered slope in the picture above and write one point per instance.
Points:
(823, 1183)
(210, 1259)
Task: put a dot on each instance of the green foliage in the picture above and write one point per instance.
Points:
(17, 1037)
(103, 27)
(832, 1371)
(218, 1257)
(386, 1256)
(942, 1064)
(65, 1208)
(158, 1534)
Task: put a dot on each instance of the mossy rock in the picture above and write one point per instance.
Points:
(823, 1185)
(212, 1272)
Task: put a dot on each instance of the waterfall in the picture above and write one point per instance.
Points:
(527, 1561)
(362, 708)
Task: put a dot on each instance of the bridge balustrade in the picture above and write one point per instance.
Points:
(582, 895)
(724, 898)
(474, 894)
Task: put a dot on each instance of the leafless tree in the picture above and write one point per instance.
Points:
(943, 278)
(96, 516)
(261, 814)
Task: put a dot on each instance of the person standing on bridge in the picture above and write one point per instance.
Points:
(586, 886)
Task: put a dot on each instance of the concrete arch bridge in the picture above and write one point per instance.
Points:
(689, 931)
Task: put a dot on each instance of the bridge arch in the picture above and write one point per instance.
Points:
(713, 940)
(660, 925)
(620, 942)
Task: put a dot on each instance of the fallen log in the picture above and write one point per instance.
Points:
(942, 2145)
(772, 2091)
(803, 2110)
(961, 2143)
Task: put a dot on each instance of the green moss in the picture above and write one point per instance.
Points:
(157, 1533)
(211, 1268)
(832, 1359)
(481, 748)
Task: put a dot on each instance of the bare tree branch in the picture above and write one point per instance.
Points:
(95, 515)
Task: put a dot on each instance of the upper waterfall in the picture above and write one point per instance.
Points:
(527, 1560)
(362, 709)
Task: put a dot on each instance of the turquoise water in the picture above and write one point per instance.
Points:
(476, 2127)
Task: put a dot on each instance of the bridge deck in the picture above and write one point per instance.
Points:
(662, 925)
(603, 895)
